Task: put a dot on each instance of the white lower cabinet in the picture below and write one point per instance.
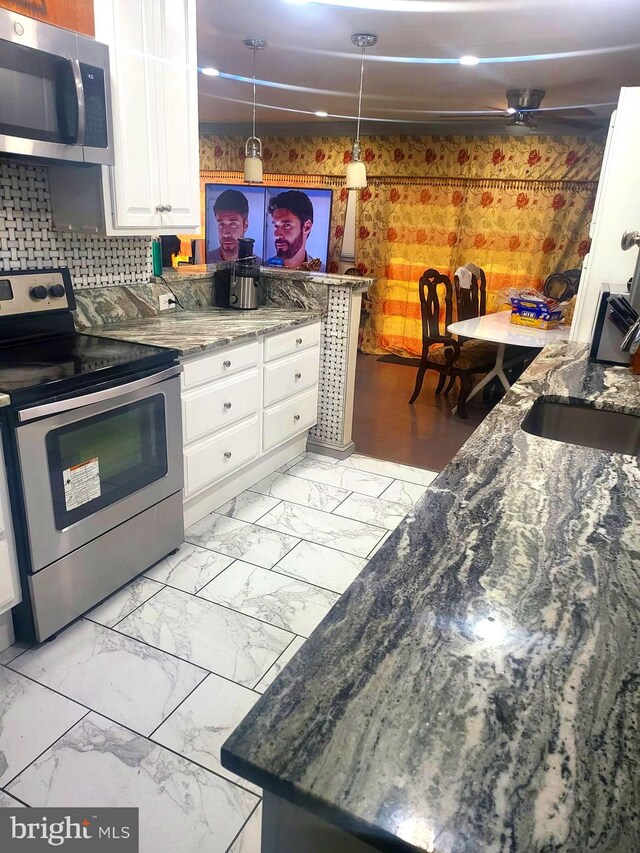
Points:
(243, 406)
(287, 419)
(220, 456)
(9, 580)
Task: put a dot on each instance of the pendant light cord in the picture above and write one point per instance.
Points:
(254, 93)
(360, 97)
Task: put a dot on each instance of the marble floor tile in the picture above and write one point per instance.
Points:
(112, 674)
(395, 470)
(320, 457)
(351, 479)
(380, 543)
(247, 506)
(182, 806)
(381, 513)
(190, 568)
(290, 463)
(322, 566)
(31, 719)
(241, 540)
(277, 599)
(323, 528)
(199, 727)
(250, 839)
(13, 651)
(8, 802)
(404, 493)
(299, 491)
(121, 603)
(280, 664)
(208, 635)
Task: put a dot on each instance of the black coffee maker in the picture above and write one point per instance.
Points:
(244, 291)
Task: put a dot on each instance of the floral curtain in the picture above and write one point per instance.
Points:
(518, 207)
(517, 231)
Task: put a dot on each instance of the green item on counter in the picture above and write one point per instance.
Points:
(156, 257)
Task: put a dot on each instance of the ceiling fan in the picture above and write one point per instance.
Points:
(523, 114)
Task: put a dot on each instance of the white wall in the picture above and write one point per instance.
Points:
(617, 209)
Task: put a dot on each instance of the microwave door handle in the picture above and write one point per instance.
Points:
(80, 402)
(82, 113)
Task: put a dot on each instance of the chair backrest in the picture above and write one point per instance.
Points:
(472, 301)
(430, 303)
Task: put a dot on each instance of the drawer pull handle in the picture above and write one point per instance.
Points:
(227, 454)
(227, 405)
(226, 363)
(296, 417)
(298, 376)
(298, 340)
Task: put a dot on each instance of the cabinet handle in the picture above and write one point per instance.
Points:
(226, 363)
(227, 454)
(160, 208)
(227, 405)
(298, 340)
(296, 417)
(298, 376)
(168, 208)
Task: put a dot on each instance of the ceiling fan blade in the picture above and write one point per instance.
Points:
(576, 124)
(575, 111)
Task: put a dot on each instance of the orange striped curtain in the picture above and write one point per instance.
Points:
(517, 231)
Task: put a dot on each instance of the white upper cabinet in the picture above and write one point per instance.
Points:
(154, 185)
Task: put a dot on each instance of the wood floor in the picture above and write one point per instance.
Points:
(426, 434)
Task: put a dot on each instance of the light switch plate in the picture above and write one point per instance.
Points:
(166, 301)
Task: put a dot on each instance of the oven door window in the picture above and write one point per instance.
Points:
(97, 461)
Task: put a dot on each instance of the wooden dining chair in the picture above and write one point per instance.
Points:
(440, 351)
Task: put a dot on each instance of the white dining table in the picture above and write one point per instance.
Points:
(499, 329)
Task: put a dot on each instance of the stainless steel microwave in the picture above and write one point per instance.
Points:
(54, 93)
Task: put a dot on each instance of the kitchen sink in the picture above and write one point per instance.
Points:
(583, 424)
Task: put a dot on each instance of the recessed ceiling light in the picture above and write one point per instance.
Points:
(468, 60)
(321, 113)
(210, 72)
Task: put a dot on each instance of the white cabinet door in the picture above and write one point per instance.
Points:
(177, 99)
(128, 27)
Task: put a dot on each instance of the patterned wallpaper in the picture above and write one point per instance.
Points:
(548, 158)
(28, 239)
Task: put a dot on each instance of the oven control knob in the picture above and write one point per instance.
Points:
(57, 290)
(234, 298)
(39, 292)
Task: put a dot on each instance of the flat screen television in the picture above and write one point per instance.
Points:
(290, 225)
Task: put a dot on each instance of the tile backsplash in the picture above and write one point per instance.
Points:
(28, 239)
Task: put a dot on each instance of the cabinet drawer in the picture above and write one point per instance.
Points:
(198, 371)
(219, 405)
(215, 458)
(287, 419)
(286, 343)
(291, 375)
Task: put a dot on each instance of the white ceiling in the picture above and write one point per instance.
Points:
(309, 46)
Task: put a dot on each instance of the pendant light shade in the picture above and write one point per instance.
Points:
(253, 146)
(356, 177)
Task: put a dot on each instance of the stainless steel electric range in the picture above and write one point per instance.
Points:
(93, 444)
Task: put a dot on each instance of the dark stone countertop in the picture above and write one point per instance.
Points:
(195, 332)
(477, 688)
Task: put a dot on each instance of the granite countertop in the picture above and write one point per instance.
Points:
(194, 332)
(477, 687)
(194, 271)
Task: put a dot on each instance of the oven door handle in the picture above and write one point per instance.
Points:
(97, 397)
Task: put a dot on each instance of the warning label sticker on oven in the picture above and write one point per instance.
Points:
(81, 483)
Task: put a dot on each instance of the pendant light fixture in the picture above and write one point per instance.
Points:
(253, 146)
(356, 170)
